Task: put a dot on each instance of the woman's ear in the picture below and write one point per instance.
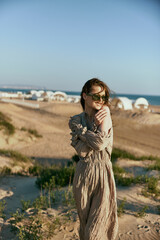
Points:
(84, 96)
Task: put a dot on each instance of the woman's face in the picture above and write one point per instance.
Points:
(94, 104)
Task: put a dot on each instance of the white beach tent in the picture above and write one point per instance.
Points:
(141, 103)
(48, 95)
(73, 98)
(60, 96)
(122, 103)
(37, 95)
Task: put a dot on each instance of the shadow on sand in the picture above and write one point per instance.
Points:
(61, 162)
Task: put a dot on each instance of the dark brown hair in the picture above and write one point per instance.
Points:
(88, 86)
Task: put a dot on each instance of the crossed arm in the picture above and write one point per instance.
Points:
(85, 141)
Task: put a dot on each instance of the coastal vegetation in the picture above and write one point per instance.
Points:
(119, 153)
(5, 123)
(32, 132)
(123, 178)
(53, 176)
(16, 160)
(38, 219)
(15, 155)
(120, 209)
(2, 208)
(142, 212)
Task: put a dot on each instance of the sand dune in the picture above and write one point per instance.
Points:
(137, 133)
(51, 121)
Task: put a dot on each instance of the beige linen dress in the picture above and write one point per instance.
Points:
(93, 184)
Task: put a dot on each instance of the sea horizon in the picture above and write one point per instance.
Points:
(152, 99)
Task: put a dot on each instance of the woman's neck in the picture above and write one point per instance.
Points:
(90, 112)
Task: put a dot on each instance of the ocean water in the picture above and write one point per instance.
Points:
(152, 99)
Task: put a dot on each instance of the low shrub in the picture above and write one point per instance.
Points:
(120, 209)
(118, 153)
(15, 219)
(68, 197)
(2, 208)
(155, 166)
(31, 230)
(152, 185)
(122, 179)
(118, 170)
(35, 170)
(41, 203)
(31, 131)
(15, 155)
(142, 212)
(25, 205)
(23, 129)
(34, 132)
(5, 123)
(151, 188)
(62, 176)
(37, 224)
(5, 171)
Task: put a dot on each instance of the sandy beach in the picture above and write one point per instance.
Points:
(134, 131)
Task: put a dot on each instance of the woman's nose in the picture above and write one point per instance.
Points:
(101, 100)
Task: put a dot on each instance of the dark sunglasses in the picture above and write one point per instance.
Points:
(97, 97)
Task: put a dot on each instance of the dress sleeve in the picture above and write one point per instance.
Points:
(98, 140)
(81, 147)
(84, 140)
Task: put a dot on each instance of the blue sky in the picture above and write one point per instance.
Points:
(60, 44)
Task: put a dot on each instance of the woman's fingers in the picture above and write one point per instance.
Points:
(100, 117)
(101, 114)
(100, 111)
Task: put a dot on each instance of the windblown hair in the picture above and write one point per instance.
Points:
(88, 87)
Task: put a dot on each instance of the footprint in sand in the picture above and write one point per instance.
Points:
(139, 227)
(143, 227)
(157, 225)
(129, 233)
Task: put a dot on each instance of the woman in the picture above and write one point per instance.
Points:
(93, 184)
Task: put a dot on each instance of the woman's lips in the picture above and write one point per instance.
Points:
(99, 103)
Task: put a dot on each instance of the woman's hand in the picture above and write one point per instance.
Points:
(101, 114)
(103, 119)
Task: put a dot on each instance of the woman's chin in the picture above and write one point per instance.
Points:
(98, 106)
